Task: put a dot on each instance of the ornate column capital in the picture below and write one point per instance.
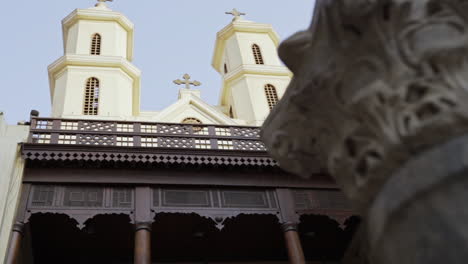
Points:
(289, 226)
(18, 227)
(376, 82)
(143, 226)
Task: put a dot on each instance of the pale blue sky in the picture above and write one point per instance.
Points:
(172, 37)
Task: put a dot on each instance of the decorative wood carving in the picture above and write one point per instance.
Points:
(146, 156)
(80, 202)
(143, 203)
(215, 204)
(112, 141)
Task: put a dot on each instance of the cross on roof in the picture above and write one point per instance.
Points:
(235, 13)
(187, 81)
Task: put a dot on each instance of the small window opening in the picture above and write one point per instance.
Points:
(91, 97)
(271, 95)
(257, 54)
(96, 44)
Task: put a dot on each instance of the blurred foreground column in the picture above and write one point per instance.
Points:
(379, 99)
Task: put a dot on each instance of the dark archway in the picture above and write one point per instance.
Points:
(180, 237)
(104, 239)
(251, 238)
(192, 238)
(323, 239)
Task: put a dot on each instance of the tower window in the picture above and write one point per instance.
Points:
(91, 97)
(271, 95)
(225, 68)
(231, 113)
(96, 44)
(257, 54)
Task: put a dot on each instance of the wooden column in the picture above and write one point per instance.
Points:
(293, 243)
(142, 243)
(143, 220)
(289, 218)
(14, 250)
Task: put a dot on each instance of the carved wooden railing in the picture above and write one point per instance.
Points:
(144, 134)
(54, 139)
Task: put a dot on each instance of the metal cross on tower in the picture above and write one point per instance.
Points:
(187, 81)
(235, 13)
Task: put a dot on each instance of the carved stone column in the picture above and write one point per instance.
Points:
(142, 243)
(379, 100)
(14, 250)
(293, 243)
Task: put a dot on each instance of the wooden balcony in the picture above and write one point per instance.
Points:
(73, 139)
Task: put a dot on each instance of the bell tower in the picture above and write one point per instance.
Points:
(254, 78)
(95, 76)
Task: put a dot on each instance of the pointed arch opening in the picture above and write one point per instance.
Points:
(257, 53)
(91, 97)
(271, 95)
(231, 113)
(96, 44)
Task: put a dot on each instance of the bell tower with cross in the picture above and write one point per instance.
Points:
(253, 76)
(95, 76)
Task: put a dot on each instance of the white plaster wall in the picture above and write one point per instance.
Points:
(11, 173)
(116, 92)
(232, 57)
(72, 39)
(59, 93)
(113, 38)
(249, 98)
(242, 104)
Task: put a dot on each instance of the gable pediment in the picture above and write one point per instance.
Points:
(194, 107)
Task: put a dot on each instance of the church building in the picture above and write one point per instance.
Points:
(103, 181)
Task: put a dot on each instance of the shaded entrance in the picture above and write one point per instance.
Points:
(145, 223)
(192, 238)
(323, 239)
(55, 238)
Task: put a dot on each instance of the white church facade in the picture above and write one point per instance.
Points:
(103, 181)
(95, 78)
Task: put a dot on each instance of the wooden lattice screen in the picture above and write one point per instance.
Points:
(91, 100)
(257, 54)
(271, 95)
(96, 44)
